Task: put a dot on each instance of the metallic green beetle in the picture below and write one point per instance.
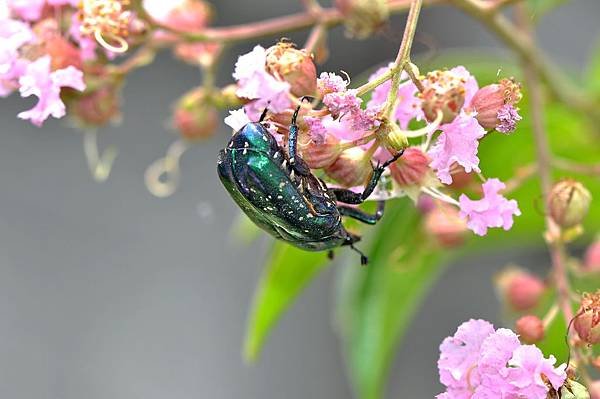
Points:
(279, 193)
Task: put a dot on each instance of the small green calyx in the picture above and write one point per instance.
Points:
(390, 134)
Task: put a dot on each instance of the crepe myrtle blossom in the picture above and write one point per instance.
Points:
(493, 210)
(256, 84)
(13, 35)
(38, 80)
(480, 362)
(408, 106)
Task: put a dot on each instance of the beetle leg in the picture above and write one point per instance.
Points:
(330, 254)
(359, 215)
(296, 162)
(350, 240)
(350, 197)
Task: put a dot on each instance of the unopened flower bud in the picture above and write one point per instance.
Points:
(425, 204)
(587, 320)
(226, 98)
(411, 168)
(62, 53)
(351, 168)
(446, 226)
(187, 16)
(444, 92)
(363, 17)
(320, 154)
(97, 107)
(530, 329)
(591, 260)
(460, 178)
(194, 117)
(494, 105)
(521, 289)
(294, 66)
(568, 203)
(392, 137)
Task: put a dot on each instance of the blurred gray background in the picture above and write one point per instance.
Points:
(109, 293)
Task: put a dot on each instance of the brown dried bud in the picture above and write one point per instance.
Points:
(444, 92)
(446, 226)
(362, 18)
(491, 99)
(411, 168)
(521, 290)
(296, 67)
(591, 260)
(530, 329)
(351, 168)
(568, 203)
(587, 320)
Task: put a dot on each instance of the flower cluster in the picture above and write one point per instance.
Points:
(345, 134)
(480, 362)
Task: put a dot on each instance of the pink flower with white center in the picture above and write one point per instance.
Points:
(39, 81)
(408, 106)
(458, 143)
(493, 210)
(490, 364)
(459, 355)
(30, 10)
(329, 82)
(255, 83)
(508, 117)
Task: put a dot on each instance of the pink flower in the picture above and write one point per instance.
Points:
(409, 105)
(469, 82)
(255, 83)
(492, 211)
(459, 355)
(330, 82)
(39, 81)
(480, 363)
(13, 34)
(316, 129)
(342, 103)
(508, 117)
(458, 143)
(30, 10)
(525, 371)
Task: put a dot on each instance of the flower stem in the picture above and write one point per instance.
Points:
(403, 57)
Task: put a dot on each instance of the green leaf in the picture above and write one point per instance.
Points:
(376, 303)
(287, 273)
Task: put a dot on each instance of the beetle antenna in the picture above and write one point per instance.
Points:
(264, 113)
